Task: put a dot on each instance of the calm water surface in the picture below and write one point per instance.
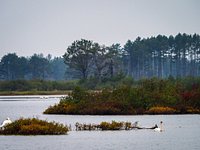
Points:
(181, 132)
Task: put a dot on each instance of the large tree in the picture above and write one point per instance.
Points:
(9, 66)
(39, 67)
(99, 59)
(58, 68)
(113, 59)
(78, 56)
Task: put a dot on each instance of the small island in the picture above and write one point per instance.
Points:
(33, 126)
(151, 96)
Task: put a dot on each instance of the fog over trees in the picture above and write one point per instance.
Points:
(160, 56)
(13, 67)
(163, 56)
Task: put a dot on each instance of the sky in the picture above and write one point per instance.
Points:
(50, 26)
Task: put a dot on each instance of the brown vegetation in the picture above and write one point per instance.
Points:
(33, 127)
(161, 110)
(114, 125)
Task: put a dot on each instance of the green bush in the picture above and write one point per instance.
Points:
(129, 100)
(36, 85)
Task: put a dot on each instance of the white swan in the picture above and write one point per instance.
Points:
(135, 125)
(159, 129)
(44, 97)
(6, 122)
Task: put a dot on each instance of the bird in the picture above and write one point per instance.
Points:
(135, 125)
(159, 129)
(6, 122)
(44, 97)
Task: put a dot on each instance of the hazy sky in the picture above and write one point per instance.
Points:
(50, 26)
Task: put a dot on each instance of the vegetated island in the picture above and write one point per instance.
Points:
(150, 96)
(33, 126)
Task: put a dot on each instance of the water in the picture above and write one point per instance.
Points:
(181, 132)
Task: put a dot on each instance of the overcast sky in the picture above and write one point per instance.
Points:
(50, 26)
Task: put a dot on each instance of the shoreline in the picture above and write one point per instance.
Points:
(30, 93)
(147, 114)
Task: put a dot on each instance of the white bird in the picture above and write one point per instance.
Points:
(6, 122)
(44, 97)
(135, 125)
(159, 129)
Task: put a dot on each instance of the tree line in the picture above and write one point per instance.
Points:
(160, 56)
(13, 67)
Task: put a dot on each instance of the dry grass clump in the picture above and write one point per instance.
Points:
(115, 125)
(161, 110)
(33, 126)
(192, 110)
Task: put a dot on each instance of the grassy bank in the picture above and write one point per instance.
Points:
(33, 127)
(36, 85)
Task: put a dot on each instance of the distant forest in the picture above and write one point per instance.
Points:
(13, 67)
(160, 56)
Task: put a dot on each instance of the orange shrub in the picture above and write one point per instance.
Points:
(161, 110)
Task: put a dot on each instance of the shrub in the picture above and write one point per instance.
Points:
(129, 100)
(161, 110)
(34, 127)
(192, 110)
(111, 126)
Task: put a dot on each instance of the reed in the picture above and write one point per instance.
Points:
(114, 125)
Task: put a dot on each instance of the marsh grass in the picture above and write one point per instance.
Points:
(34, 126)
(114, 125)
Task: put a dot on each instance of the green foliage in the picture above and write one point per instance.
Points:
(36, 85)
(79, 94)
(78, 56)
(39, 67)
(136, 99)
(91, 59)
(160, 56)
(94, 103)
(13, 67)
(33, 127)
